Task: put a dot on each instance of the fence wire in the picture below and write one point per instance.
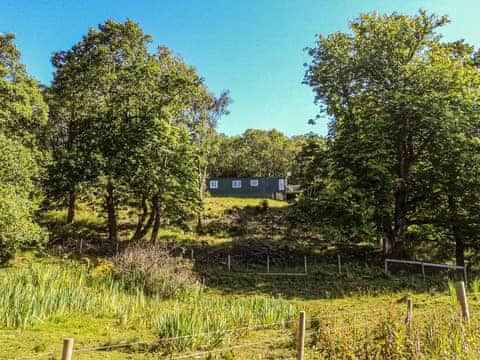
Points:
(416, 313)
(233, 347)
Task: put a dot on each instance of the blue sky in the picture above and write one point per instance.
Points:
(254, 48)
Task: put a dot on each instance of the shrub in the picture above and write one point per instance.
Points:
(152, 269)
(265, 205)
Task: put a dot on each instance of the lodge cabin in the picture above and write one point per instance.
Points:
(274, 187)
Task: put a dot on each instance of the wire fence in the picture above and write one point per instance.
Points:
(288, 325)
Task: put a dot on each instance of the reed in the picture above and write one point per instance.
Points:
(38, 292)
(211, 320)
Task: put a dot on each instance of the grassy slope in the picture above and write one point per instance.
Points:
(323, 292)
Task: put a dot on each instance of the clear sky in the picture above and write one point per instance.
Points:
(254, 48)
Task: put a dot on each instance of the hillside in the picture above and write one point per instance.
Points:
(46, 296)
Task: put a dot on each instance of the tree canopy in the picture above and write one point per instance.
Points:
(255, 153)
(132, 123)
(22, 116)
(397, 95)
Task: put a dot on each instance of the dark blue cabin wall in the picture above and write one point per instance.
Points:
(267, 186)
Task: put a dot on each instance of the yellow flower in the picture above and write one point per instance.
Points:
(103, 268)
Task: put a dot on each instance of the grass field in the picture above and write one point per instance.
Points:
(356, 315)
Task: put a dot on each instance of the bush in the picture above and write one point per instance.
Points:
(152, 269)
(265, 205)
(17, 228)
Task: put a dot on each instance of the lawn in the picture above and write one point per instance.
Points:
(45, 297)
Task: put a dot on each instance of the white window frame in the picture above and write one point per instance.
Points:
(236, 184)
(213, 184)
(254, 182)
(281, 184)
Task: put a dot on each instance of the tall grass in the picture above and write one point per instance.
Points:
(39, 292)
(209, 321)
(437, 331)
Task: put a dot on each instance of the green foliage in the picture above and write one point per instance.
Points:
(22, 109)
(210, 320)
(40, 292)
(398, 97)
(255, 153)
(17, 228)
(311, 163)
(22, 114)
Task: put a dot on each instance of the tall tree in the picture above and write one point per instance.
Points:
(123, 118)
(107, 71)
(255, 153)
(389, 86)
(193, 106)
(22, 116)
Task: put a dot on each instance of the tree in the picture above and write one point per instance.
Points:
(255, 153)
(192, 105)
(23, 112)
(22, 116)
(389, 86)
(124, 125)
(311, 163)
(73, 162)
(447, 185)
(106, 75)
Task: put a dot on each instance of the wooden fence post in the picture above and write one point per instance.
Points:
(228, 262)
(305, 263)
(423, 271)
(268, 264)
(339, 261)
(462, 299)
(67, 349)
(409, 316)
(81, 245)
(192, 254)
(301, 336)
(386, 266)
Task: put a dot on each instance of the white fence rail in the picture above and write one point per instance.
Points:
(428, 264)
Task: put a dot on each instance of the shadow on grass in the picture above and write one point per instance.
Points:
(322, 281)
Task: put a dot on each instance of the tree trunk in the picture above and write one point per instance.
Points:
(72, 197)
(141, 220)
(111, 214)
(156, 223)
(151, 218)
(400, 215)
(459, 243)
(459, 247)
(199, 223)
(202, 189)
(404, 161)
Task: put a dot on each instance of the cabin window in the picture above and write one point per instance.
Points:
(281, 184)
(213, 184)
(236, 184)
(254, 182)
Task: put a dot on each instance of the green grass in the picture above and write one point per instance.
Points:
(210, 320)
(43, 301)
(217, 205)
(358, 315)
(54, 296)
(41, 292)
